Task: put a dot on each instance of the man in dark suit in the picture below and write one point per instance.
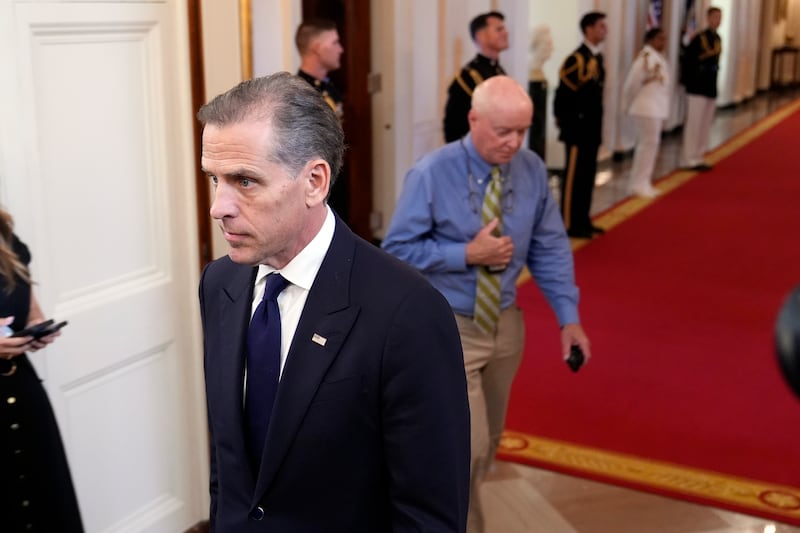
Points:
(369, 429)
(490, 35)
(699, 68)
(579, 115)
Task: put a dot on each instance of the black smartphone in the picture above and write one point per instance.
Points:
(51, 329)
(576, 358)
(42, 329)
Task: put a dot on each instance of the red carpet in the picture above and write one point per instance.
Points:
(679, 302)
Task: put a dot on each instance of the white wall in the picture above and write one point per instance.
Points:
(222, 57)
(384, 125)
(741, 20)
(274, 23)
(622, 44)
(222, 67)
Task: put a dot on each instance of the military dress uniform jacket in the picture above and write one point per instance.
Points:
(459, 94)
(579, 98)
(328, 90)
(700, 64)
(647, 88)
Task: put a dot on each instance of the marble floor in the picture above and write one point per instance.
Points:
(521, 499)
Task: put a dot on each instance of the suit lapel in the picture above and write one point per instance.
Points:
(327, 315)
(234, 319)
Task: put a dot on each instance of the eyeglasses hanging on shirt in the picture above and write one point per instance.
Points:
(476, 200)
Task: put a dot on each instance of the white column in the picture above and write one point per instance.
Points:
(274, 25)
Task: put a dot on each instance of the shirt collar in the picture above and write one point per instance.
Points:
(302, 270)
(594, 49)
(480, 167)
(311, 79)
(483, 59)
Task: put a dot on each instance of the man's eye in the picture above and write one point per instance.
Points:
(244, 182)
(214, 179)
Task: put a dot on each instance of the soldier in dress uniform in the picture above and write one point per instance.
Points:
(699, 67)
(317, 41)
(490, 35)
(646, 98)
(579, 116)
(320, 50)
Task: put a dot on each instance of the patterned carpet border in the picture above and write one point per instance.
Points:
(780, 502)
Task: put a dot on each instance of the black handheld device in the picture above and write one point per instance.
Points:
(576, 358)
(42, 329)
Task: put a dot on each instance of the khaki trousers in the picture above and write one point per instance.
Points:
(490, 362)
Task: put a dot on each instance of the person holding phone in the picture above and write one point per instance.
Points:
(36, 492)
(471, 215)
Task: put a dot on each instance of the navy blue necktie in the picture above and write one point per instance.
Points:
(263, 365)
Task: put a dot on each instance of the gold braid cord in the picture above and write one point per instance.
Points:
(584, 71)
(708, 50)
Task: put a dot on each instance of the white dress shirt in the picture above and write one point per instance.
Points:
(300, 272)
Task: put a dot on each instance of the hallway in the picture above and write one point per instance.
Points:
(611, 185)
(525, 499)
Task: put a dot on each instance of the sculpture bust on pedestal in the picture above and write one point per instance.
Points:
(541, 49)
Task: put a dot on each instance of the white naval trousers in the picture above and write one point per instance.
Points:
(696, 128)
(648, 140)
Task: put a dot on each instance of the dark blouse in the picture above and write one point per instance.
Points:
(17, 303)
(36, 492)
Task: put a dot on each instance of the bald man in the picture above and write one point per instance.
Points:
(471, 215)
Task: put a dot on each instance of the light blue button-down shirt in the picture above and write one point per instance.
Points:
(439, 212)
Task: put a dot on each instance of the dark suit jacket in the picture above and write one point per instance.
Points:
(369, 432)
(578, 103)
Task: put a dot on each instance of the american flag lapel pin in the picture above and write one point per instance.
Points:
(319, 339)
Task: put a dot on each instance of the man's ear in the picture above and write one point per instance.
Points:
(480, 37)
(314, 45)
(318, 181)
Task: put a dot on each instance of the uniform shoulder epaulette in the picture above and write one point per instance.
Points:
(474, 75)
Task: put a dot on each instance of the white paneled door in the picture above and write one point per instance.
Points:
(96, 165)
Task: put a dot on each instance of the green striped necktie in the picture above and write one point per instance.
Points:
(487, 293)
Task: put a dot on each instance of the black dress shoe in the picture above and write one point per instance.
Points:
(580, 234)
(597, 229)
(702, 167)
